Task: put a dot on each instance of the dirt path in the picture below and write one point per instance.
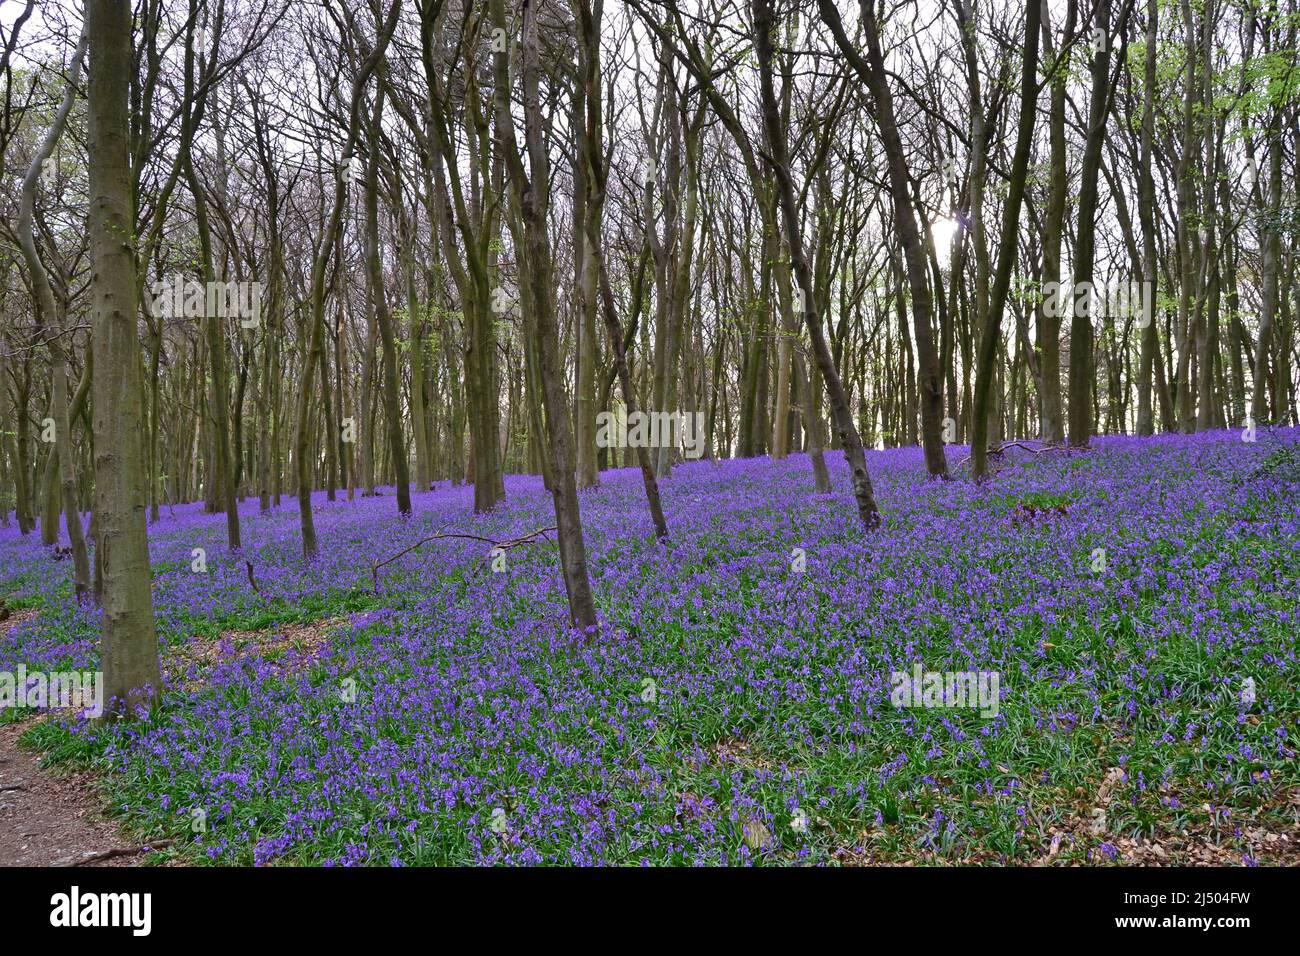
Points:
(50, 818)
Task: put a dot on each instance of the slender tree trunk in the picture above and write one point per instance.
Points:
(50, 319)
(1270, 242)
(1007, 246)
(850, 441)
(1146, 206)
(532, 194)
(1049, 322)
(1081, 336)
(374, 270)
(313, 354)
(872, 72)
(588, 209)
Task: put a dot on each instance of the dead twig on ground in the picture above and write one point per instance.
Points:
(503, 545)
(116, 852)
(1002, 449)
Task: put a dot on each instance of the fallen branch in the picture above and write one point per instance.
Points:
(116, 852)
(12, 787)
(1019, 444)
(1005, 446)
(504, 545)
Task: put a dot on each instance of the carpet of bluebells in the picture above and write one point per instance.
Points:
(736, 707)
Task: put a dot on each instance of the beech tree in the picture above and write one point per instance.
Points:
(129, 646)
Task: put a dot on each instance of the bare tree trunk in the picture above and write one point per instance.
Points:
(1146, 213)
(379, 301)
(416, 316)
(589, 200)
(314, 351)
(1271, 243)
(1007, 246)
(589, 16)
(532, 194)
(1081, 337)
(50, 320)
(615, 331)
(1052, 426)
(779, 157)
(129, 645)
(222, 491)
(872, 71)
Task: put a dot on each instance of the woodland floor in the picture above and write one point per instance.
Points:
(52, 816)
(1140, 600)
